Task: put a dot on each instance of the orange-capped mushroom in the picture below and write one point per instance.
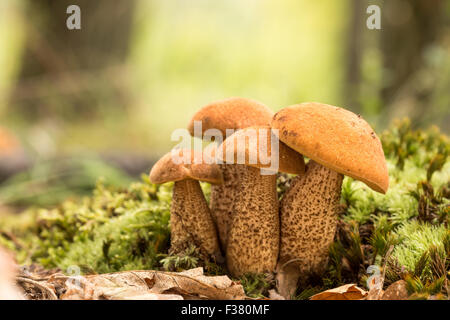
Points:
(190, 219)
(232, 113)
(338, 142)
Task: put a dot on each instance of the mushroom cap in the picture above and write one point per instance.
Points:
(289, 160)
(231, 113)
(335, 138)
(166, 169)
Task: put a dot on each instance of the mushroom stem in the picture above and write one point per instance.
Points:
(223, 198)
(191, 221)
(309, 212)
(253, 237)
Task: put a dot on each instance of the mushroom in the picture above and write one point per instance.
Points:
(254, 231)
(338, 142)
(232, 113)
(190, 217)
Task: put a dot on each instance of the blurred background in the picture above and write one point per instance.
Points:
(76, 105)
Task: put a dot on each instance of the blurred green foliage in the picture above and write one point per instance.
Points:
(50, 182)
(182, 55)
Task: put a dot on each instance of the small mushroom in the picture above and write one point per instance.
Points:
(338, 143)
(254, 231)
(232, 113)
(190, 219)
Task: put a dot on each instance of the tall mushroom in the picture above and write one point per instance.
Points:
(232, 113)
(190, 219)
(254, 231)
(338, 142)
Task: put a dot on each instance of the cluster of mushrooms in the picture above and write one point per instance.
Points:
(245, 225)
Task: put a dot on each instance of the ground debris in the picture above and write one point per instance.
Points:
(396, 291)
(136, 285)
(345, 292)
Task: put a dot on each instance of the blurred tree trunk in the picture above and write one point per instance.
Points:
(354, 50)
(69, 73)
(409, 27)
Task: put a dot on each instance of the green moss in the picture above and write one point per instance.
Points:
(110, 231)
(416, 239)
(187, 260)
(257, 285)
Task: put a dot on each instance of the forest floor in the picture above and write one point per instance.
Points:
(109, 236)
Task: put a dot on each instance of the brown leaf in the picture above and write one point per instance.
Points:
(396, 291)
(151, 285)
(345, 292)
(155, 296)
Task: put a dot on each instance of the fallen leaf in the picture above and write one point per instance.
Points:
(396, 291)
(147, 285)
(155, 296)
(345, 292)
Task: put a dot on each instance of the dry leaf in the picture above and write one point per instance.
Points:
(345, 292)
(148, 285)
(155, 296)
(396, 291)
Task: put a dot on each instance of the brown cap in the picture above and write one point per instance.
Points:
(166, 169)
(335, 138)
(231, 113)
(289, 160)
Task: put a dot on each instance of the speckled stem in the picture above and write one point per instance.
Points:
(309, 212)
(191, 221)
(254, 234)
(223, 198)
